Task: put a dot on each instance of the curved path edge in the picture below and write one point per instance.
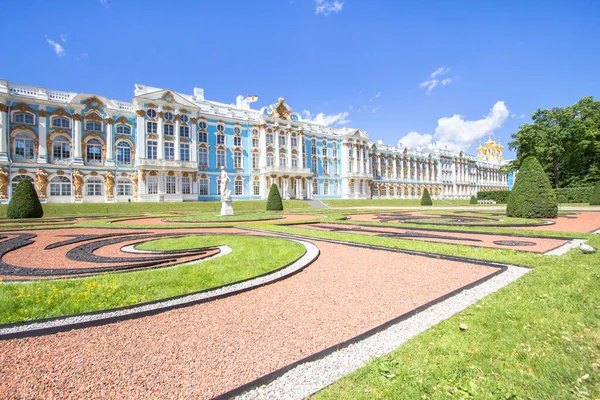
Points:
(80, 321)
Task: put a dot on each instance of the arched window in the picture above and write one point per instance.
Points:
(282, 160)
(184, 152)
(93, 151)
(203, 157)
(168, 129)
(269, 139)
(61, 122)
(93, 187)
(294, 141)
(123, 152)
(238, 187)
(282, 139)
(315, 185)
(314, 166)
(270, 160)
(237, 160)
(61, 149)
(123, 130)
(23, 118)
(202, 137)
(94, 126)
(60, 186)
(255, 142)
(220, 138)
(237, 141)
(294, 161)
(221, 158)
(15, 181)
(203, 186)
(184, 131)
(255, 160)
(186, 186)
(326, 188)
(24, 146)
(124, 187)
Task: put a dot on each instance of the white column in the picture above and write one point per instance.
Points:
(262, 139)
(77, 159)
(194, 146)
(43, 130)
(160, 152)
(140, 134)
(276, 145)
(301, 151)
(3, 132)
(177, 138)
(110, 142)
(402, 168)
(361, 160)
(288, 146)
(395, 172)
(355, 169)
(408, 171)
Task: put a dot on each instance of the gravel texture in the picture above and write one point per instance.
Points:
(208, 349)
(579, 222)
(161, 220)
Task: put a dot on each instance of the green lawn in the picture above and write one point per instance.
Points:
(391, 203)
(215, 217)
(251, 256)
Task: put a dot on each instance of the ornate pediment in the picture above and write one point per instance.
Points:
(94, 103)
(281, 110)
(164, 96)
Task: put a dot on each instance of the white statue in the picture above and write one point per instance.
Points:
(225, 192)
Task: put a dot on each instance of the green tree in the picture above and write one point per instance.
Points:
(473, 200)
(24, 202)
(532, 196)
(426, 198)
(274, 202)
(595, 198)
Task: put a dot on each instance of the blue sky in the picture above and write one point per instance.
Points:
(426, 71)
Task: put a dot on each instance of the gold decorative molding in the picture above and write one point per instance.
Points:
(194, 120)
(160, 114)
(22, 107)
(43, 113)
(140, 113)
(41, 182)
(94, 103)
(183, 111)
(78, 117)
(18, 128)
(177, 117)
(60, 112)
(78, 183)
(122, 120)
(3, 107)
(93, 116)
(109, 184)
(167, 96)
(109, 121)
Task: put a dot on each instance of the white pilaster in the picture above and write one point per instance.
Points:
(42, 157)
(77, 158)
(110, 142)
(140, 134)
(3, 132)
(194, 140)
(177, 138)
(160, 152)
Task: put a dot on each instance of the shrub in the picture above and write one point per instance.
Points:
(532, 196)
(473, 200)
(274, 202)
(426, 198)
(581, 194)
(24, 202)
(499, 196)
(595, 197)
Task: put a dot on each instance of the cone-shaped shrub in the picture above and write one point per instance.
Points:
(274, 200)
(473, 200)
(595, 198)
(532, 196)
(24, 202)
(426, 198)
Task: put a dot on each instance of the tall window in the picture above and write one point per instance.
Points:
(24, 146)
(237, 140)
(334, 152)
(336, 188)
(184, 131)
(335, 168)
(254, 142)
(281, 140)
(169, 151)
(314, 166)
(93, 126)
(203, 187)
(220, 138)
(221, 158)
(238, 187)
(282, 160)
(269, 139)
(93, 152)
(315, 186)
(60, 122)
(294, 141)
(151, 127)
(203, 157)
(256, 188)
(171, 184)
(202, 137)
(123, 152)
(93, 187)
(255, 160)
(152, 149)
(270, 160)
(184, 151)
(124, 187)
(23, 118)
(325, 167)
(153, 185)
(60, 186)
(61, 150)
(294, 161)
(326, 188)
(186, 187)
(237, 160)
(15, 181)
(168, 129)
(123, 130)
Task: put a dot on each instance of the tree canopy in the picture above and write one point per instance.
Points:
(566, 142)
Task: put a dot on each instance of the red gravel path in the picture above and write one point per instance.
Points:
(541, 245)
(581, 222)
(208, 349)
(161, 221)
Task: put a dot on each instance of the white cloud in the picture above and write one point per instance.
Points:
(456, 133)
(327, 7)
(513, 115)
(105, 3)
(58, 49)
(323, 119)
(434, 81)
(63, 37)
(378, 95)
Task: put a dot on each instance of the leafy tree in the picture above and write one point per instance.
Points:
(595, 198)
(274, 202)
(532, 196)
(24, 202)
(426, 198)
(473, 200)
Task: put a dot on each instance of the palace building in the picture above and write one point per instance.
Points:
(168, 146)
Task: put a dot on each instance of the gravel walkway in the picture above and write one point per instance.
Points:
(208, 349)
(581, 222)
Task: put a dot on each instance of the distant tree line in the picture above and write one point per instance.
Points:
(565, 140)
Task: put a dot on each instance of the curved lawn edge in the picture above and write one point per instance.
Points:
(53, 325)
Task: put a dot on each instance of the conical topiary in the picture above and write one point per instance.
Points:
(274, 202)
(426, 198)
(595, 198)
(532, 195)
(24, 202)
(473, 200)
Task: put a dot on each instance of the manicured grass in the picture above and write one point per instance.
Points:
(251, 256)
(55, 209)
(212, 217)
(390, 203)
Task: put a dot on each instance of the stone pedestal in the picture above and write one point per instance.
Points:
(226, 208)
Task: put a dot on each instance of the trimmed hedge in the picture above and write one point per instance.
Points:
(532, 195)
(595, 196)
(473, 200)
(24, 202)
(426, 198)
(581, 194)
(274, 202)
(499, 196)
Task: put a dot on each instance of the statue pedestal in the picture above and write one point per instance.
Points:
(226, 208)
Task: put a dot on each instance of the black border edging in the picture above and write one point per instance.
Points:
(270, 377)
(119, 318)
